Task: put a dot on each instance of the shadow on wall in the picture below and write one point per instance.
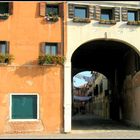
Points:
(131, 28)
(30, 70)
(71, 23)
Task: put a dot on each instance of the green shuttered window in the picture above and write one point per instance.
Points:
(24, 106)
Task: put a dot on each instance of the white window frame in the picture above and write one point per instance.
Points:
(10, 107)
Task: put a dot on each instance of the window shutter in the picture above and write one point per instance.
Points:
(117, 14)
(0, 48)
(42, 48)
(10, 8)
(97, 12)
(59, 49)
(42, 8)
(91, 11)
(7, 46)
(61, 10)
(71, 10)
(139, 14)
(124, 14)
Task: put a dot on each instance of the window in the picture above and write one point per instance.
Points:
(50, 48)
(80, 12)
(4, 7)
(106, 14)
(24, 106)
(132, 15)
(101, 87)
(52, 9)
(3, 47)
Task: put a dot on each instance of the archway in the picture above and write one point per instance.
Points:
(113, 58)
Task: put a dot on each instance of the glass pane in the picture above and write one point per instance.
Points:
(47, 49)
(131, 16)
(54, 50)
(106, 14)
(3, 48)
(80, 12)
(24, 107)
(52, 9)
(4, 7)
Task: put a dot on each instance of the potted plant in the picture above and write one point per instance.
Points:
(4, 16)
(6, 58)
(51, 59)
(133, 22)
(52, 16)
(81, 20)
(102, 21)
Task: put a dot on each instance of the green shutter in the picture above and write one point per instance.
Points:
(24, 106)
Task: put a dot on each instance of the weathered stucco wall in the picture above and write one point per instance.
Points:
(131, 99)
(47, 82)
(25, 29)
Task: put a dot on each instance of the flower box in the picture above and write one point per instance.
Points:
(109, 22)
(81, 20)
(51, 17)
(4, 16)
(133, 23)
(6, 58)
(50, 60)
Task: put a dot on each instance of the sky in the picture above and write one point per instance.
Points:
(78, 82)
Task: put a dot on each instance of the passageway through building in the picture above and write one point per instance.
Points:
(116, 60)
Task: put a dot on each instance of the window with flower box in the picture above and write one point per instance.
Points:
(6, 9)
(5, 57)
(107, 16)
(51, 12)
(4, 47)
(81, 13)
(51, 48)
(131, 16)
(50, 53)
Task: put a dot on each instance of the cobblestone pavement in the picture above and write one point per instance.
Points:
(89, 127)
